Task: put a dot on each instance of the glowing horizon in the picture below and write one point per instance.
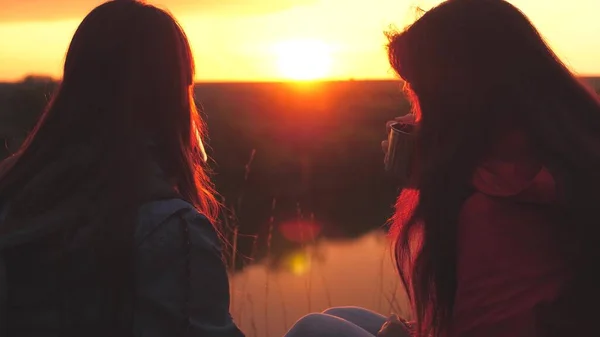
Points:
(241, 40)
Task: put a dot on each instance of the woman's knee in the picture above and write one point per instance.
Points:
(366, 319)
(336, 311)
(309, 324)
(323, 325)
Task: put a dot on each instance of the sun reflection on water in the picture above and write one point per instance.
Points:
(326, 273)
(298, 263)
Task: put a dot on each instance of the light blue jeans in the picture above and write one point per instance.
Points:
(338, 322)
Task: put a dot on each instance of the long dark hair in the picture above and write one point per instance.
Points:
(125, 105)
(475, 70)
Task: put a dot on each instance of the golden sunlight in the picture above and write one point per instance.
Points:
(298, 263)
(303, 59)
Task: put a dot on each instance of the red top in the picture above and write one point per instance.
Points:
(508, 261)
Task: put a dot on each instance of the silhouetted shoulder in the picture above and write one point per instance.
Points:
(181, 280)
(159, 217)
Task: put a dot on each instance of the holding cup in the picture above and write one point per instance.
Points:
(400, 148)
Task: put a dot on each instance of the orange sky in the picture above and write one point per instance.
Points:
(237, 39)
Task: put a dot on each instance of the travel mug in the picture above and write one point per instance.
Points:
(401, 149)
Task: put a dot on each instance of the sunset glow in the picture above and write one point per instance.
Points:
(303, 59)
(266, 40)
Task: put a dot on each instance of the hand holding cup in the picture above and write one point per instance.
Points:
(408, 119)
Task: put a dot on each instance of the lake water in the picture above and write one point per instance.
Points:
(359, 272)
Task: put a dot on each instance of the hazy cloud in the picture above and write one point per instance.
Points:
(38, 10)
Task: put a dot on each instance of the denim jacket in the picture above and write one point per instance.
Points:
(179, 276)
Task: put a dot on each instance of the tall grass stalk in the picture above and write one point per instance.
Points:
(283, 306)
(232, 262)
(321, 274)
(307, 281)
(245, 280)
(326, 286)
(252, 318)
(247, 170)
(268, 271)
(381, 266)
(393, 300)
(232, 215)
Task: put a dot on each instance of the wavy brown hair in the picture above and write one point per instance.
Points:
(475, 69)
(122, 129)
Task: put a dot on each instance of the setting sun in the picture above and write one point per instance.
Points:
(303, 59)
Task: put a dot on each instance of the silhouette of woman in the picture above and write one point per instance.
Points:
(497, 234)
(106, 209)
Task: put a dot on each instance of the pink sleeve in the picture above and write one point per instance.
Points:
(507, 263)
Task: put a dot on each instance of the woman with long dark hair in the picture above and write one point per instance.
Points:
(106, 209)
(497, 232)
